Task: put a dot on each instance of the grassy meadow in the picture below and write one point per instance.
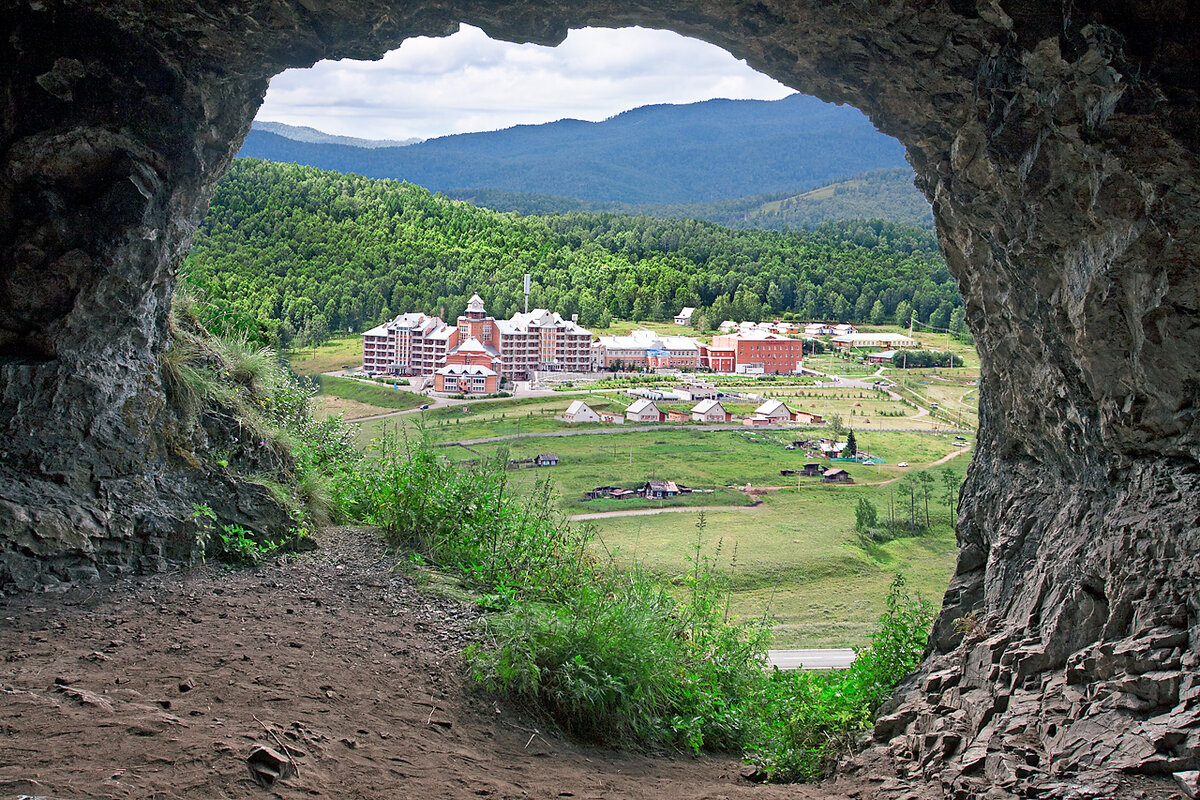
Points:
(796, 559)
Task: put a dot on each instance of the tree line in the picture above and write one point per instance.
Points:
(297, 250)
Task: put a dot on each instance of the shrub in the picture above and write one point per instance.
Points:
(809, 720)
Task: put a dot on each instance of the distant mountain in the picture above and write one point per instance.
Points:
(302, 133)
(887, 194)
(702, 152)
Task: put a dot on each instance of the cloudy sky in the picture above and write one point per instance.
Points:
(468, 82)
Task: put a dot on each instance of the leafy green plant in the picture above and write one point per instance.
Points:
(809, 720)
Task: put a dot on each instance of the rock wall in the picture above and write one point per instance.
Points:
(1057, 143)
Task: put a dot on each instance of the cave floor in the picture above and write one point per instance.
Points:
(161, 687)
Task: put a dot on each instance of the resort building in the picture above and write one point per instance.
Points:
(411, 344)
(418, 344)
(758, 351)
(888, 341)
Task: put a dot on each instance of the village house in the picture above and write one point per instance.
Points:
(546, 460)
(658, 490)
(811, 470)
(710, 411)
(580, 411)
(818, 329)
(836, 475)
(775, 411)
(644, 411)
(684, 317)
(728, 326)
(808, 418)
(882, 357)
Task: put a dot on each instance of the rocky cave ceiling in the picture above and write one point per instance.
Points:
(1057, 143)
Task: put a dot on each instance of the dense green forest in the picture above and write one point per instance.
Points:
(305, 249)
(714, 150)
(880, 194)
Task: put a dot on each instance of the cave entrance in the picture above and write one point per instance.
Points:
(1058, 145)
(473, 74)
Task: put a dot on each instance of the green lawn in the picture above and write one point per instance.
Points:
(372, 394)
(796, 559)
(342, 350)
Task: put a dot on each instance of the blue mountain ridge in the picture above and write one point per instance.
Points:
(698, 152)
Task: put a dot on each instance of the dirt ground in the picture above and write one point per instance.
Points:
(160, 687)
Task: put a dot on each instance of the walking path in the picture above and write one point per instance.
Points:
(645, 512)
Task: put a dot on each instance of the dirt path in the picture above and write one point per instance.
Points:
(154, 687)
(645, 512)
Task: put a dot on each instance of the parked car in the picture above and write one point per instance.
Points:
(902, 464)
(424, 406)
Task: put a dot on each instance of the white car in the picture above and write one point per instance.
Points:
(902, 464)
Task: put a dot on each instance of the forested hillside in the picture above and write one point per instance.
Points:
(887, 194)
(297, 246)
(701, 152)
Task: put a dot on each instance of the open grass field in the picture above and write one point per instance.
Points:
(698, 459)
(379, 396)
(796, 559)
(332, 355)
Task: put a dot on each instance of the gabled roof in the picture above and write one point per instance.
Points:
(829, 473)
(475, 303)
(662, 486)
(705, 406)
(641, 406)
(473, 346)
(466, 369)
(773, 408)
(578, 406)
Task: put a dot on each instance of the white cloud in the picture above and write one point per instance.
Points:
(468, 82)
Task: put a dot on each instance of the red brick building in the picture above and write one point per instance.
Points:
(756, 350)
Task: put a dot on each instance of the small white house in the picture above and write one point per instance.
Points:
(710, 411)
(817, 329)
(728, 326)
(775, 411)
(643, 411)
(684, 317)
(580, 411)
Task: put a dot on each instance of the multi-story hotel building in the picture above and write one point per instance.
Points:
(411, 344)
(418, 344)
(538, 341)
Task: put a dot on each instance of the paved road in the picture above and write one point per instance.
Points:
(839, 658)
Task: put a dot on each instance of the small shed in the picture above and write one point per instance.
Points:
(811, 470)
(677, 416)
(836, 475)
(546, 460)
